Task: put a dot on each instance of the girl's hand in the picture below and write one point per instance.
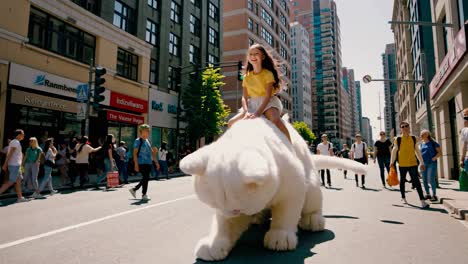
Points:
(434, 159)
(254, 115)
(247, 115)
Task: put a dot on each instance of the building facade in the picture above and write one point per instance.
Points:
(255, 21)
(390, 88)
(366, 132)
(321, 20)
(357, 84)
(448, 89)
(300, 76)
(144, 46)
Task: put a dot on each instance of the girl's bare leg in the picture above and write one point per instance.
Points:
(236, 118)
(274, 116)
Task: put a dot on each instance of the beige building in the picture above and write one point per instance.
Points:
(255, 21)
(404, 64)
(45, 50)
(449, 87)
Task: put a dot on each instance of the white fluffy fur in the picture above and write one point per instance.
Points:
(254, 167)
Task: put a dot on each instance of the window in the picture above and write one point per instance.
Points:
(127, 64)
(251, 42)
(250, 24)
(194, 54)
(267, 17)
(284, 53)
(250, 5)
(123, 17)
(173, 78)
(153, 4)
(174, 44)
(196, 3)
(283, 36)
(283, 20)
(256, 9)
(175, 12)
(213, 37)
(212, 59)
(151, 32)
(153, 71)
(194, 25)
(90, 5)
(267, 36)
(269, 3)
(56, 36)
(213, 11)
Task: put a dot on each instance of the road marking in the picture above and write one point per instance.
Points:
(68, 228)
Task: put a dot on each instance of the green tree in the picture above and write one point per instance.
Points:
(304, 130)
(203, 108)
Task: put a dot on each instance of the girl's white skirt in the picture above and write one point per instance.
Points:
(255, 102)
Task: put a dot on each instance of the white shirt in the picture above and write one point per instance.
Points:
(17, 156)
(83, 156)
(162, 154)
(464, 138)
(357, 149)
(325, 148)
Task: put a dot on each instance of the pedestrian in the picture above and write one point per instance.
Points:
(49, 164)
(359, 154)
(407, 153)
(260, 83)
(31, 162)
(382, 153)
(110, 154)
(83, 149)
(430, 151)
(3, 155)
(12, 165)
(62, 164)
(71, 160)
(121, 163)
(162, 160)
(143, 159)
(464, 142)
(325, 148)
(344, 153)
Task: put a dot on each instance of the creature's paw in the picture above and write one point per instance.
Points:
(261, 218)
(280, 240)
(213, 249)
(312, 222)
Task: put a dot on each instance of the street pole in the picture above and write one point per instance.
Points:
(380, 114)
(88, 101)
(427, 93)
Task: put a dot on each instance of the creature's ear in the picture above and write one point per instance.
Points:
(253, 168)
(195, 163)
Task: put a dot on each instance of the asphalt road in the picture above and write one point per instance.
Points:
(363, 226)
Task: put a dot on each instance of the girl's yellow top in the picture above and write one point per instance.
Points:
(256, 83)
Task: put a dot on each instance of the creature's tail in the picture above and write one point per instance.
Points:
(326, 162)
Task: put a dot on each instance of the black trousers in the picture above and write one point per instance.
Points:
(145, 170)
(322, 175)
(363, 177)
(82, 169)
(413, 172)
(72, 171)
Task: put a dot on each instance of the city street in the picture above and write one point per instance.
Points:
(363, 226)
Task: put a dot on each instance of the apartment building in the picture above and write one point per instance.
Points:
(390, 88)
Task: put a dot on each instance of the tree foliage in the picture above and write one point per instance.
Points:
(303, 129)
(203, 108)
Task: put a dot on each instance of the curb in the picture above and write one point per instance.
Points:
(86, 186)
(454, 210)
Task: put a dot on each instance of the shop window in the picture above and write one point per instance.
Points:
(127, 64)
(123, 132)
(52, 34)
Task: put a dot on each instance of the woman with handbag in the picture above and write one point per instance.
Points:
(49, 164)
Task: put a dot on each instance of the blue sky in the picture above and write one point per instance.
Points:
(364, 33)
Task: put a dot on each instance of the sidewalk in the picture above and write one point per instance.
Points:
(92, 183)
(455, 201)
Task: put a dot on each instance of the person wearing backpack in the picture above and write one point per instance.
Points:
(382, 150)
(143, 155)
(430, 151)
(359, 154)
(407, 153)
(325, 148)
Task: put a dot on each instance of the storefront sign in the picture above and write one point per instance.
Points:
(124, 117)
(163, 109)
(126, 102)
(34, 100)
(451, 60)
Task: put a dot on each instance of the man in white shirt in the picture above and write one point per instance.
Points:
(359, 154)
(464, 142)
(13, 165)
(325, 148)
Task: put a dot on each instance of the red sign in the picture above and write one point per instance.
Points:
(126, 102)
(124, 117)
(451, 60)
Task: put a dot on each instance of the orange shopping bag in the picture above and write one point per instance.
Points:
(112, 179)
(392, 178)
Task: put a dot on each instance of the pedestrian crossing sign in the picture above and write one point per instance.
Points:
(81, 111)
(82, 93)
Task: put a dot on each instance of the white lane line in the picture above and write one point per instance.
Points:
(68, 228)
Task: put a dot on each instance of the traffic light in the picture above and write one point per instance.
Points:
(240, 76)
(98, 89)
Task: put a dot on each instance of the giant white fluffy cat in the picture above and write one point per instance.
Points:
(254, 167)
